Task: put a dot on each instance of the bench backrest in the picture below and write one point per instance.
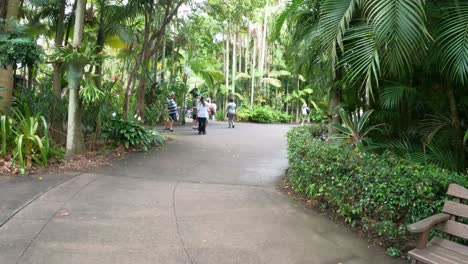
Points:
(457, 209)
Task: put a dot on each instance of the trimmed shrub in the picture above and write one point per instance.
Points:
(382, 193)
(267, 115)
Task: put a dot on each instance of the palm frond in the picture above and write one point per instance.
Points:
(401, 27)
(443, 157)
(392, 97)
(291, 7)
(432, 125)
(335, 20)
(452, 42)
(362, 58)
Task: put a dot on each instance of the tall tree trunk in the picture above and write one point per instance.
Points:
(75, 140)
(227, 68)
(241, 38)
(142, 85)
(252, 89)
(264, 40)
(30, 69)
(163, 61)
(234, 62)
(59, 33)
(9, 10)
(246, 51)
(287, 103)
(141, 98)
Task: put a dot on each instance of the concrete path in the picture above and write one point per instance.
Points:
(17, 192)
(200, 199)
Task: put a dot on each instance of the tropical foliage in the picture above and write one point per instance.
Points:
(404, 60)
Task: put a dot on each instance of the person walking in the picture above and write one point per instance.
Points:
(195, 102)
(202, 114)
(212, 111)
(305, 113)
(214, 107)
(231, 108)
(172, 111)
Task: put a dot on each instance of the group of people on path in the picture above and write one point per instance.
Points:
(203, 109)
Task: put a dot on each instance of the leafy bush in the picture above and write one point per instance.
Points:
(263, 115)
(267, 115)
(220, 115)
(315, 130)
(281, 117)
(317, 115)
(244, 114)
(383, 193)
(131, 133)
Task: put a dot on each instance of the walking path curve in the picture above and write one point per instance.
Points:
(199, 199)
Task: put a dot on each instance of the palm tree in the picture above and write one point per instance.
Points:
(75, 140)
(375, 48)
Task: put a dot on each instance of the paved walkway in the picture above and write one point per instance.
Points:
(200, 199)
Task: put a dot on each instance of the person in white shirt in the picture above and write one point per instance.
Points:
(305, 113)
(202, 114)
(231, 108)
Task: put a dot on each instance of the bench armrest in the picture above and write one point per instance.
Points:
(426, 224)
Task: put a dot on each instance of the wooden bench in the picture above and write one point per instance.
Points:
(439, 250)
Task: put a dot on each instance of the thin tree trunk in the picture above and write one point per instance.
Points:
(234, 62)
(163, 61)
(240, 53)
(287, 103)
(69, 26)
(227, 68)
(30, 69)
(57, 75)
(264, 40)
(75, 140)
(247, 58)
(252, 89)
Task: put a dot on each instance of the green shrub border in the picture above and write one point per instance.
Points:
(379, 193)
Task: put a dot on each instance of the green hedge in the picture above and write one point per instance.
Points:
(382, 193)
(263, 114)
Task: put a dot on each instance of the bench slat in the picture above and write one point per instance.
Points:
(450, 245)
(438, 255)
(454, 228)
(458, 191)
(457, 209)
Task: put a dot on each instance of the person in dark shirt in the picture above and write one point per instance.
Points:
(172, 111)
